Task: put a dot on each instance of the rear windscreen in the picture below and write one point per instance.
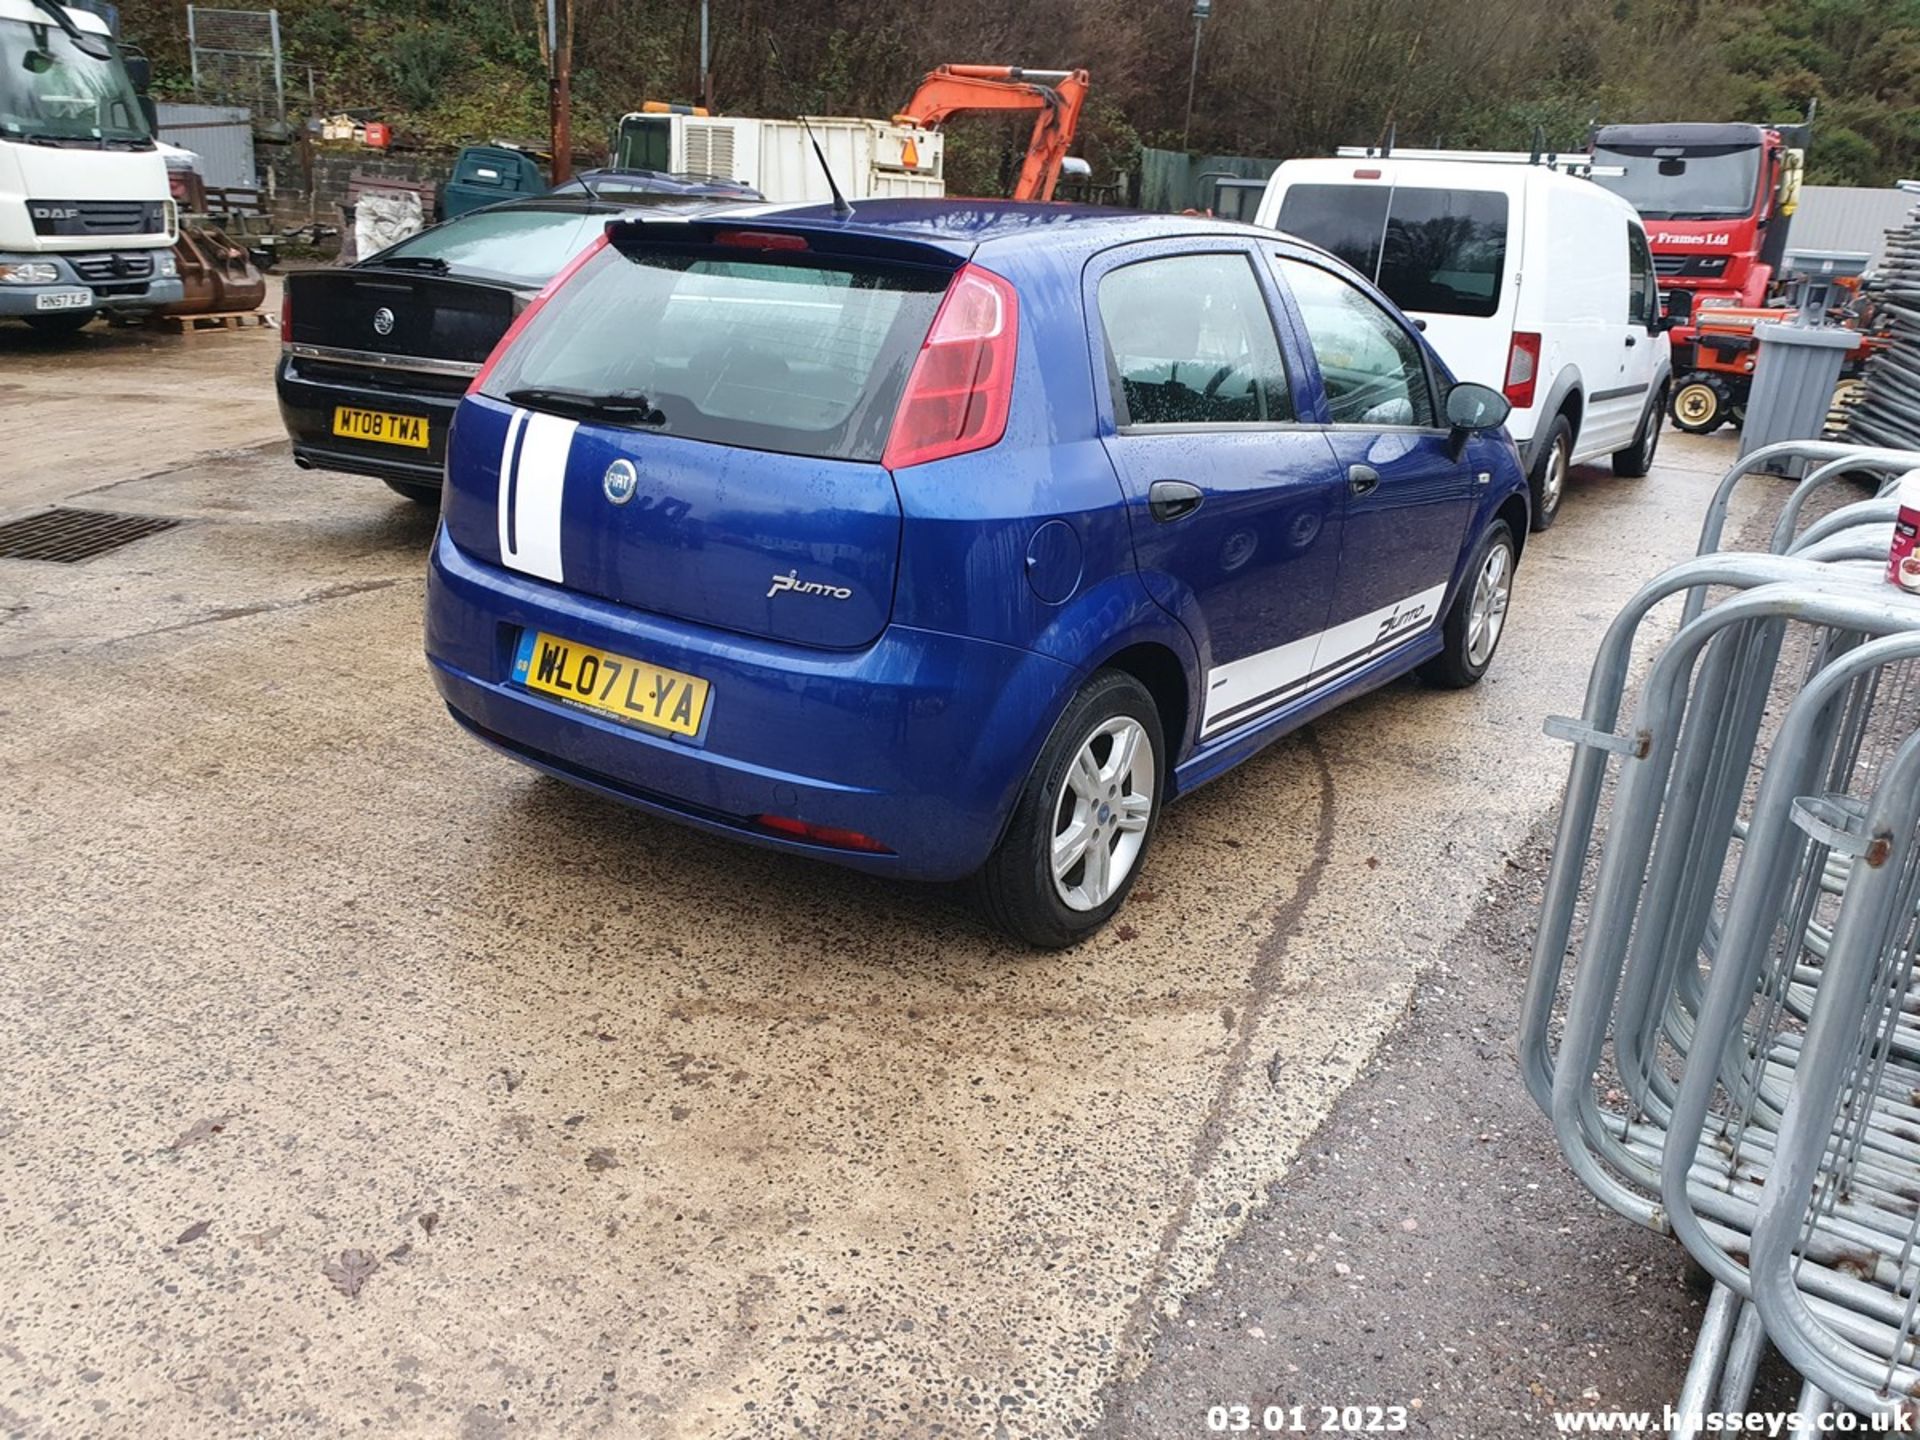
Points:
(805, 356)
(1344, 220)
(528, 247)
(1437, 251)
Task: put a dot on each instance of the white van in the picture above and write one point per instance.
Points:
(1524, 278)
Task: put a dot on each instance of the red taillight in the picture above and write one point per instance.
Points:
(962, 383)
(1523, 369)
(821, 834)
(760, 240)
(286, 313)
(521, 321)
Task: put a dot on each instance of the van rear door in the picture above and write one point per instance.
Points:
(1448, 256)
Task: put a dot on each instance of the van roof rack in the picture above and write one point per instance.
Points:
(1575, 164)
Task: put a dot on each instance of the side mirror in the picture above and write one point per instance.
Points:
(1679, 310)
(1471, 409)
(139, 72)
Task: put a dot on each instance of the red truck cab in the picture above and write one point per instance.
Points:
(1716, 200)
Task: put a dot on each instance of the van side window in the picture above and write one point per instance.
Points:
(1643, 294)
(1190, 342)
(1373, 370)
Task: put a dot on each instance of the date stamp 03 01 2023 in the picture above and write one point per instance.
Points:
(1237, 1419)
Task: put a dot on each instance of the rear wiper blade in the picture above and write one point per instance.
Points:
(416, 262)
(622, 404)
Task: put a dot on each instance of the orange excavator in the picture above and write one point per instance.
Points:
(1056, 96)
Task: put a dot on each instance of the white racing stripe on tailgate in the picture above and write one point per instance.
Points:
(538, 486)
(1244, 689)
(503, 497)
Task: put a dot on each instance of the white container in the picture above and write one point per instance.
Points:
(1903, 560)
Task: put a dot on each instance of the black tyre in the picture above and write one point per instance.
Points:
(64, 322)
(1084, 821)
(1700, 403)
(415, 491)
(1550, 470)
(1637, 459)
(1479, 615)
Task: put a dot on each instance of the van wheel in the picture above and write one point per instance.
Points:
(416, 492)
(1637, 459)
(1700, 403)
(1479, 615)
(1084, 820)
(1550, 468)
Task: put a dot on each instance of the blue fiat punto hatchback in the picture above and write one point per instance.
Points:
(954, 539)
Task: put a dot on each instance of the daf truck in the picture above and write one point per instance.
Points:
(87, 220)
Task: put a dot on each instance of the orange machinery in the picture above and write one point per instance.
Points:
(1725, 349)
(1055, 95)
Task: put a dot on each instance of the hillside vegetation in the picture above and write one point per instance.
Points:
(1277, 77)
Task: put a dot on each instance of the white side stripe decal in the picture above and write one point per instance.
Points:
(1242, 689)
(530, 530)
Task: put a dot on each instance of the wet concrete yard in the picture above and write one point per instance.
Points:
(360, 1080)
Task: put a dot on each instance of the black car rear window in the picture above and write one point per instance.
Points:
(805, 356)
(522, 246)
(1438, 251)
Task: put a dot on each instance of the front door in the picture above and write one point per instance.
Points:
(1408, 500)
(1235, 505)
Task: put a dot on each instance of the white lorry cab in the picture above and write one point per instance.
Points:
(87, 221)
(1525, 278)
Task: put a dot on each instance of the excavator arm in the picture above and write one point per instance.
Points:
(1055, 97)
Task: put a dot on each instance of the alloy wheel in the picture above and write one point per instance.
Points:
(1554, 482)
(1100, 820)
(1487, 615)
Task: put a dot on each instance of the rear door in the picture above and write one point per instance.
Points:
(1234, 499)
(1408, 501)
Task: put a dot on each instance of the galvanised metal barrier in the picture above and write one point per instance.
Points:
(1722, 1017)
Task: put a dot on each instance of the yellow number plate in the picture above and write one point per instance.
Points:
(380, 426)
(635, 691)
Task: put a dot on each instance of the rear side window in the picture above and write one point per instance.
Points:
(526, 246)
(1345, 220)
(806, 357)
(1439, 251)
(1445, 250)
(1190, 342)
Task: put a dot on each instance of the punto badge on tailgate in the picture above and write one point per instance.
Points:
(792, 581)
(620, 481)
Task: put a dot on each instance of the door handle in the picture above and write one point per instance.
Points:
(1170, 500)
(1362, 479)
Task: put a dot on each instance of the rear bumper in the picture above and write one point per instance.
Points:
(921, 740)
(306, 409)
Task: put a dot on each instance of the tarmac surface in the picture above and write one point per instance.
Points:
(358, 1079)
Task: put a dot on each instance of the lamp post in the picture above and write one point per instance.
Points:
(1201, 10)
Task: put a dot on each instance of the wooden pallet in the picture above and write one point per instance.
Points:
(230, 320)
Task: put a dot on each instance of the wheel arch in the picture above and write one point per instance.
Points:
(1156, 666)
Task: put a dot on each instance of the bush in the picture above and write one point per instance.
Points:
(422, 63)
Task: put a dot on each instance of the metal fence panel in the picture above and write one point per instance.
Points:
(221, 135)
(237, 58)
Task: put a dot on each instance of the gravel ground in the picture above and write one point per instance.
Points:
(1430, 1250)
